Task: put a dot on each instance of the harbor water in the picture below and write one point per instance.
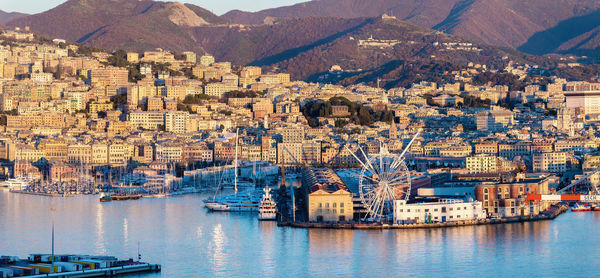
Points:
(188, 241)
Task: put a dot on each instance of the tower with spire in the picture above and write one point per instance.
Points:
(393, 130)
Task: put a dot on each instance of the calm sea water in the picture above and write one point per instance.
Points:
(178, 233)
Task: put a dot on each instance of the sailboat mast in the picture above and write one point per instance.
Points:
(235, 162)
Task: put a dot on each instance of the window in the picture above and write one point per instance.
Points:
(400, 210)
(334, 205)
(485, 197)
(435, 209)
(341, 205)
(342, 211)
(458, 208)
(334, 211)
(320, 205)
(450, 209)
(485, 190)
(426, 210)
(327, 211)
(443, 209)
(326, 205)
(408, 210)
(319, 211)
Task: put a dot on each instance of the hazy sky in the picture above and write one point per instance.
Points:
(217, 6)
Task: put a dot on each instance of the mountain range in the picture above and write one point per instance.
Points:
(308, 38)
(6, 17)
(533, 26)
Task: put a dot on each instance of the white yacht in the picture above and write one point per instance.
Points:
(247, 200)
(267, 210)
(15, 184)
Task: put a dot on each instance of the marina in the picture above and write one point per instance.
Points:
(227, 243)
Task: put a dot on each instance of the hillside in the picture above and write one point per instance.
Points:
(392, 49)
(426, 13)
(526, 25)
(6, 17)
(307, 47)
(85, 20)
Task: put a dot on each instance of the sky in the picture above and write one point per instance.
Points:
(216, 6)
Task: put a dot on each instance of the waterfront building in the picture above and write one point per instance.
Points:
(328, 197)
(444, 210)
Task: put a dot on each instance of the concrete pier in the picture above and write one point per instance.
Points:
(552, 213)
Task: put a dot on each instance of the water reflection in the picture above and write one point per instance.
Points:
(190, 242)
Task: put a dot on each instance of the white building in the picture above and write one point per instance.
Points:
(446, 210)
(41, 77)
(589, 100)
(177, 121)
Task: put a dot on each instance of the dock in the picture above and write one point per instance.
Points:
(552, 213)
(71, 266)
(105, 272)
(42, 193)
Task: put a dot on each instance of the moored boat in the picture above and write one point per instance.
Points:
(581, 207)
(267, 210)
(105, 198)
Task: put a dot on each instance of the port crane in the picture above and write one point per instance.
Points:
(593, 196)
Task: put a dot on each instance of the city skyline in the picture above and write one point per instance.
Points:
(217, 7)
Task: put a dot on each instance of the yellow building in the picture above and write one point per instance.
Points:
(109, 76)
(482, 163)
(146, 120)
(96, 107)
(79, 153)
(100, 154)
(328, 197)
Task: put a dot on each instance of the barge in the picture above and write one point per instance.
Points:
(71, 266)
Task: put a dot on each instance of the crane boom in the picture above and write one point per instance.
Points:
(578, 181)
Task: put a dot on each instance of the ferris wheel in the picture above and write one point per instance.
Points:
(384, 177)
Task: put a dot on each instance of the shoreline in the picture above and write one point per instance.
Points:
(550, 215)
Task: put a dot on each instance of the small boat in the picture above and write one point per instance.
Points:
(15, 184)
(267, 210)
(120, 197)
(580, 207)
(214, 206)
(105, 198)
